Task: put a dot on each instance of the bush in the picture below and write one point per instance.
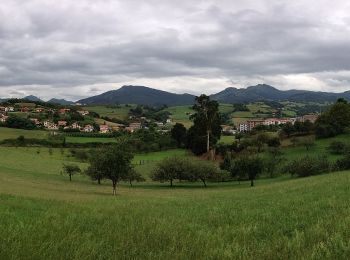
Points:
(343, 163)
(337, 147)
(308, 166)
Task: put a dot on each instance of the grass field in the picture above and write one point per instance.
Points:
(84, 140)
(44, 216)
(11, 133)
(120, 113)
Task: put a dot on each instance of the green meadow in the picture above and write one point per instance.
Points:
(11, 133)
(111, 112)
(44, 216)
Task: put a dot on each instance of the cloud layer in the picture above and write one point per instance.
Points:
(79, 48)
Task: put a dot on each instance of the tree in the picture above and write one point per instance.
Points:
(170, 169)
(335, 120)
(113, 162)
(203, 171)
(133, 176)
(178, 133)
(206, 122)
(250, 167)
(239, 136)
(94, 173)
(288, 129)
(272, 161)
(71, 169)
(308, 142)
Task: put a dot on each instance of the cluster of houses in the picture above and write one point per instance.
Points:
(249, 125)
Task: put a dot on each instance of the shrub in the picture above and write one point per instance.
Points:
(337, 147)
(343, 163)
(308, 166)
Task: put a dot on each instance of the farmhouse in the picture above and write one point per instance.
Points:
(88, 128)
(62, 123)
(75, 125)
(3, 118)
(83, 112)
(64, 110)
(310, 117)
(35, 121)
(227, 129)
(104, 129)
(133, 127)
(39, 110)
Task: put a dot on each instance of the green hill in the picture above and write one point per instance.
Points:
(44, 216)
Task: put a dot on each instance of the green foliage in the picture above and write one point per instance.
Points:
(71, 169)
(343, 163)
(176, 168)
(307, 166)
(334, 121)
(20, 123)
(113, 162)
(206, 129)
(247, 167)
(179, 134)
(339, 148)
(132, 176)
(239, 107)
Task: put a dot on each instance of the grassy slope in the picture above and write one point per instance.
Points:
(120, 113)
(9, 133)
(43, 216)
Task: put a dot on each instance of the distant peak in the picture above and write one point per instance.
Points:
(262, 86)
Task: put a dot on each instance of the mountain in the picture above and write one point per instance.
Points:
(60, 101)
(139, 95)
(265, 92)
(149, 96)
(32, 98)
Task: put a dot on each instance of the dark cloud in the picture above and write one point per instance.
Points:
(84, 47)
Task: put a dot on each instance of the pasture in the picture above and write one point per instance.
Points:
(44, 216)
(120, 112)
(11, 133)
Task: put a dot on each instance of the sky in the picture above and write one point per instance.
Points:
(75, 49)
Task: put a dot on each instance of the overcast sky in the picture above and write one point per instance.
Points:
(77, 48)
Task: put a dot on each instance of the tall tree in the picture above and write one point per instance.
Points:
(178, 133)
(206, 120)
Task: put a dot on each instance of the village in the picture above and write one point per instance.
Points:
(62, 119)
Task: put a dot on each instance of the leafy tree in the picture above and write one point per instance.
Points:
(307, 142)
(178, 133)
(273, 161)
(249, 166)
(133, 176)
(206, 123)
(170, 169)
(113, 162)
(335, 120)
(337, 147)
(203, 171)
(239, 136)
(308, 166)
(18, 122)
(71, 169)
(273, 142)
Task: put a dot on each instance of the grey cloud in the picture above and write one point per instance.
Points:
(71, 45)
